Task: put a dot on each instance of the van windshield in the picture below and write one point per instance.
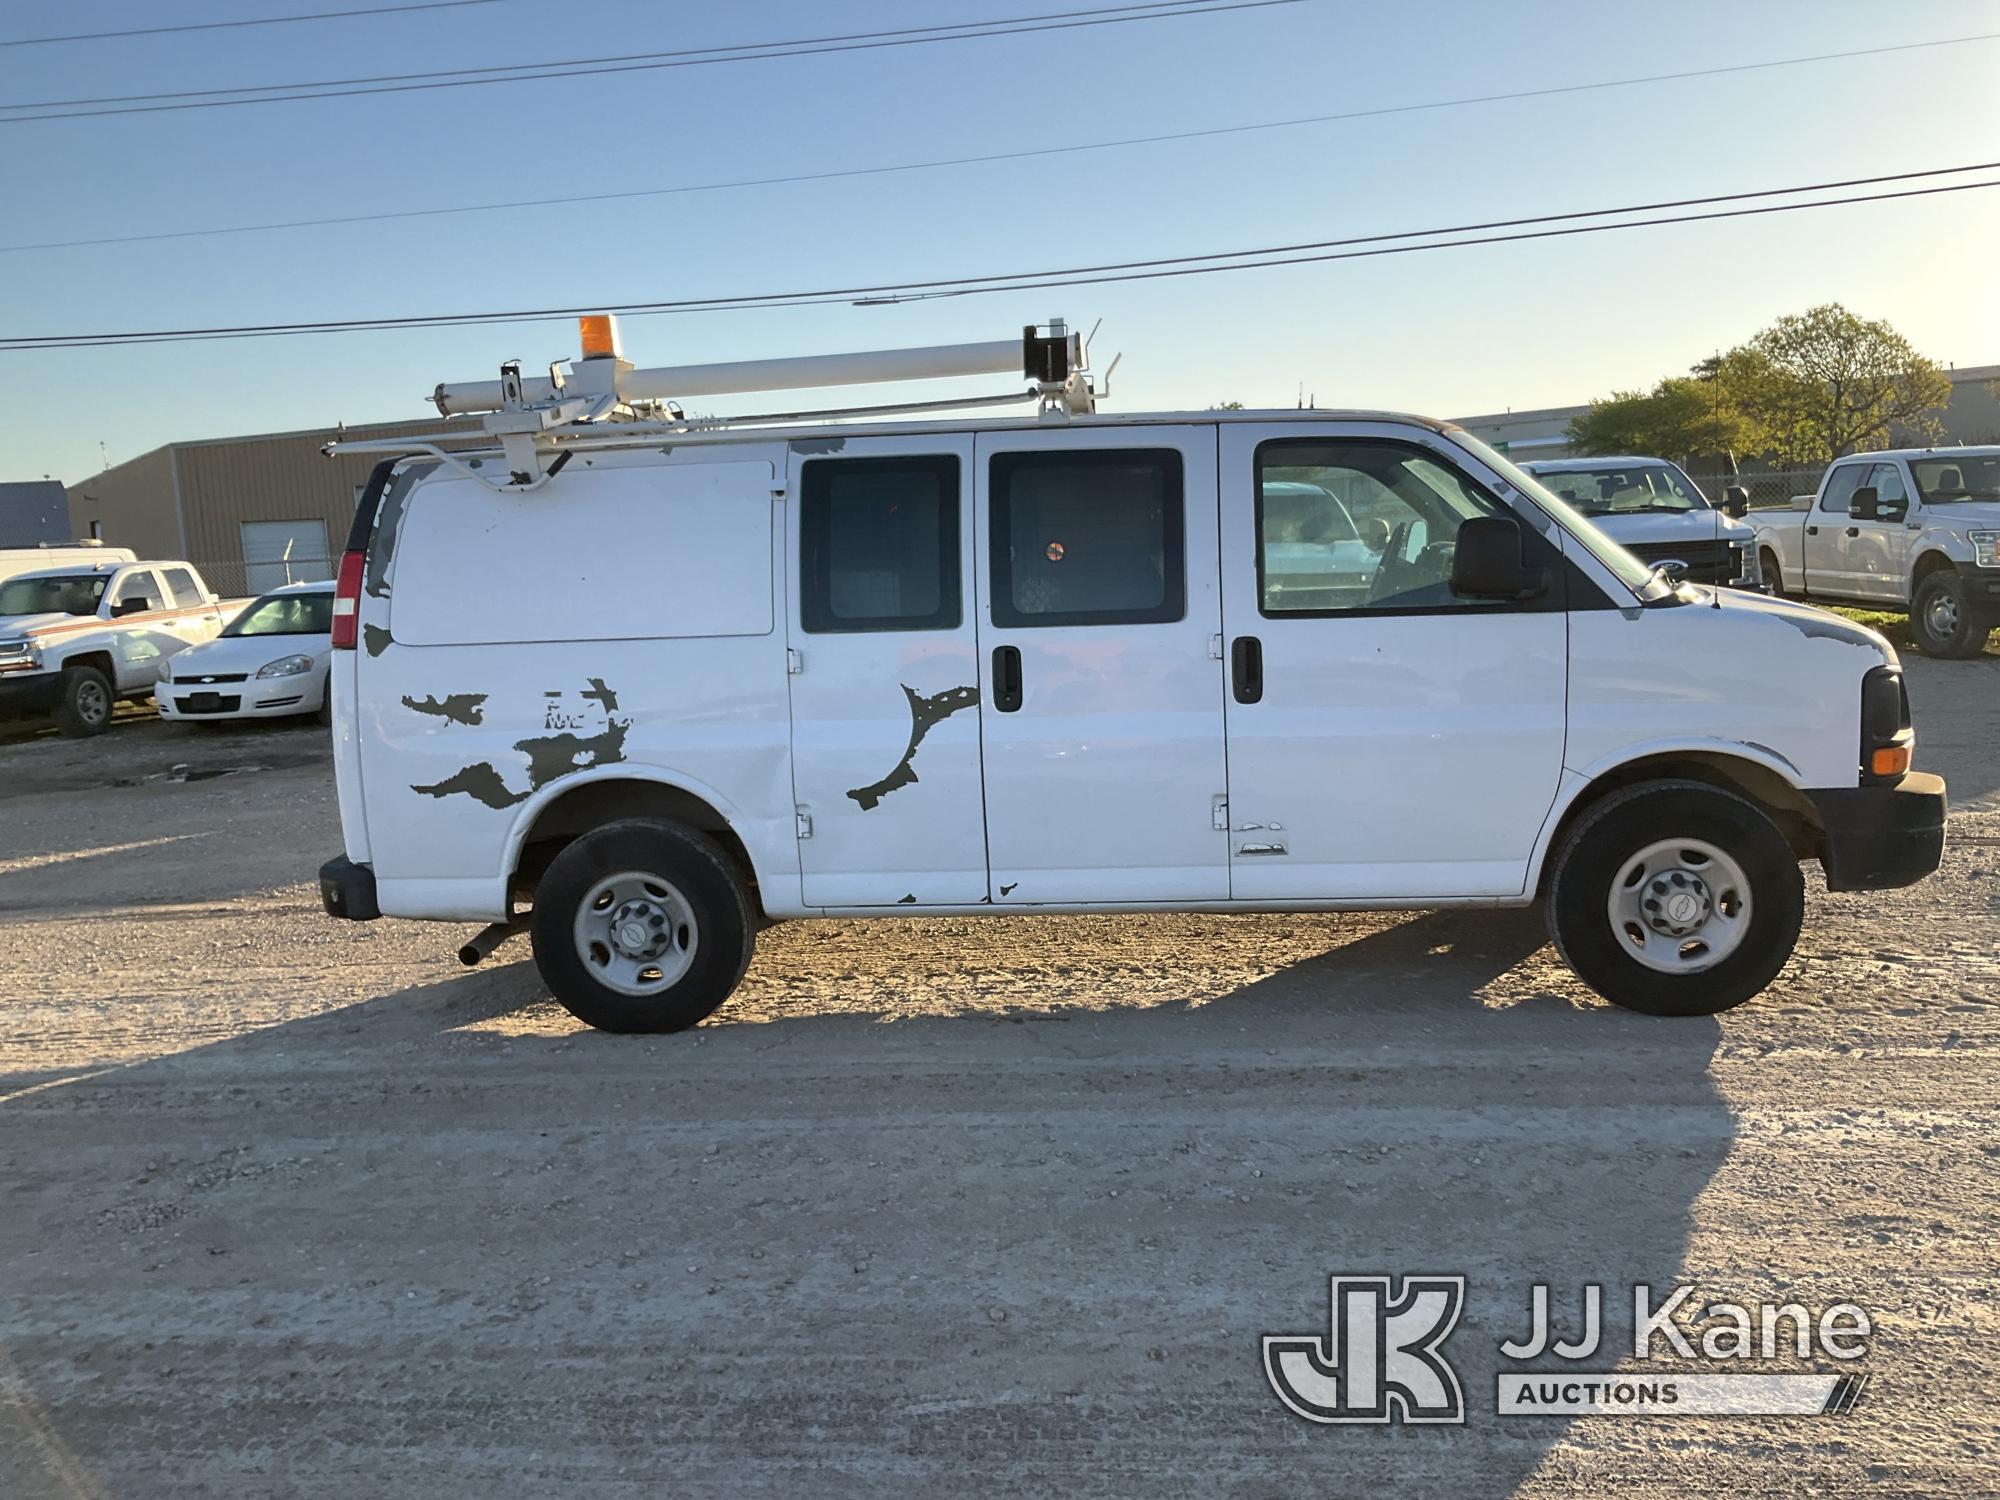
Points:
(55, 594)
(1634, 574)
(1623, 489)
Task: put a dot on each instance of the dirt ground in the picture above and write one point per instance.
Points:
(297, 1207)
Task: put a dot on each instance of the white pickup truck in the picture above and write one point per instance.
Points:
(1913, 529)
(74, 640)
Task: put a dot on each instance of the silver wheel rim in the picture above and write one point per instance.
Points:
(93, 705)
(1680, 906)
(636, 933)
(1941, 614)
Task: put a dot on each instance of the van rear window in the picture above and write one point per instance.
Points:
(642, 552)
(879, 544)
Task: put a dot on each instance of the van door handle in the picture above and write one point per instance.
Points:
(1006, 678)
(1246, 668)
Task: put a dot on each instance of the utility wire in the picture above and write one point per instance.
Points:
(280, 93)
(996, 156)
(1189, 265)
(318, 15)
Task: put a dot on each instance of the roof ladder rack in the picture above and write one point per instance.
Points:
(603, 400)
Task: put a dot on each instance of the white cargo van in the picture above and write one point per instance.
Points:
(15, 561)
(642, 685)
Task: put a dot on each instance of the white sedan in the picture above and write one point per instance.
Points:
(269, 662)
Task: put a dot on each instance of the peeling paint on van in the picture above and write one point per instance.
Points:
(924, 712)
(808, 447)
(460, 708)
(375, 638)
(550, 756)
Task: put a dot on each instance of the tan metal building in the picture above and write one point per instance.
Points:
(250, 512)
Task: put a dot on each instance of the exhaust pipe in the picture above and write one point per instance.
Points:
(487, 939)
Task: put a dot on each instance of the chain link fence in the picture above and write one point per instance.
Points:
(234, 578)
(1769, 490)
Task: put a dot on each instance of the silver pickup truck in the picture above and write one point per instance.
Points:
(74, 640)
(1913, 529)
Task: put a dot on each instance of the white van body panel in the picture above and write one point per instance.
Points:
(1761, 678)
(463, 741)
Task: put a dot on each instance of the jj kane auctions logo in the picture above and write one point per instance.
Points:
(1382, 1358)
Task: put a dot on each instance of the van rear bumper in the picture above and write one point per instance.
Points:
(1879, 837)
(348, 890)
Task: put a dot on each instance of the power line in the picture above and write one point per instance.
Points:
(638, 62)
(1188, 265)
(318, 15)
(999, 156)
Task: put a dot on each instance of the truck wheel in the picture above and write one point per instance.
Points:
(641, 925)
(1676, 899)
(1773, 575)
(84, 707)
(1942, 619)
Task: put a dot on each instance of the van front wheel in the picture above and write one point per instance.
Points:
(1676, 899)
(642, 926)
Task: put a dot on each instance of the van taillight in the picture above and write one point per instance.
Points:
(347, 599)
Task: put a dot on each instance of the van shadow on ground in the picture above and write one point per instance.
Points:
(370, 1251)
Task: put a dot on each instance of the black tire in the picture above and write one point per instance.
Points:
(686, 863)
(1943, 621)
(1618, 829)
(1773, 575)
(86, 704)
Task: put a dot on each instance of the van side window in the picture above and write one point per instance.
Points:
(1088, 537)
(1355, 524)
(879, 544)
(1841, 487)
(181, 582)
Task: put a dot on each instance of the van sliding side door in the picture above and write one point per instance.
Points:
(884, 672)
(1100, 672)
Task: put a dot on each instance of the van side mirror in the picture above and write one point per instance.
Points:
(1487, 563)
(1736, 501)
(1862, 504)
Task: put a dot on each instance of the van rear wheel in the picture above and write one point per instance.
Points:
(1676, 899)
(642, 926)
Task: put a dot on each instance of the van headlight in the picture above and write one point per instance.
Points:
(1985, 548)
(289, 666)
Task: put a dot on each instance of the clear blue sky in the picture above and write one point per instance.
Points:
(1451, 332)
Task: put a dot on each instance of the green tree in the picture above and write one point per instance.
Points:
(1828, 383)
(1804, 391)
(1681, 417)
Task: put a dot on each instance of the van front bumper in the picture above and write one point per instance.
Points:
(347, 890)
(1877, 837)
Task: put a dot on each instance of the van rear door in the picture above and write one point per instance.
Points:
(884, 672)
(1101, 685)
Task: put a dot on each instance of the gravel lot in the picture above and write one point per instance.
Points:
(290, 1207)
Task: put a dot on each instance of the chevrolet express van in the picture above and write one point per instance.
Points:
(644, 685)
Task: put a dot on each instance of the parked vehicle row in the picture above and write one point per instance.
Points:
(1915, 529)
(1655, 512)
(1222, 661)
(78, 638)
